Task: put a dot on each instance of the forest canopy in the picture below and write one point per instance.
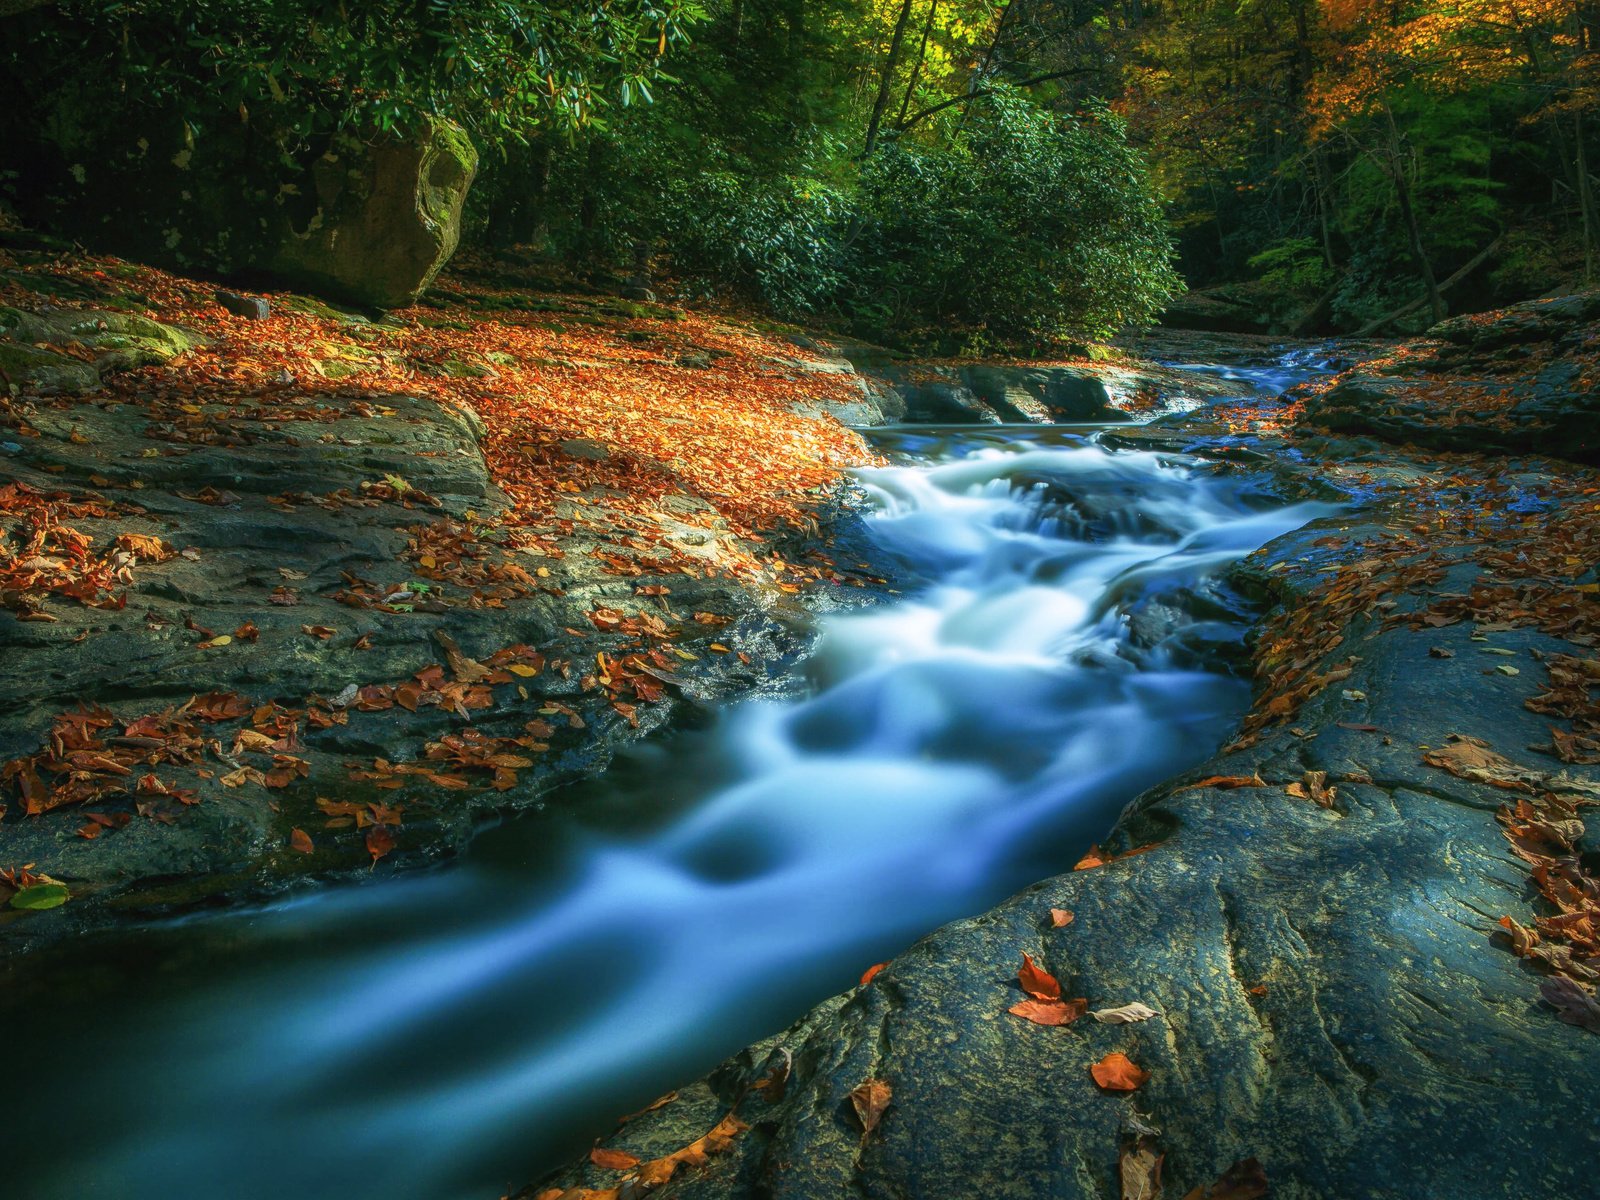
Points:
(973, 173)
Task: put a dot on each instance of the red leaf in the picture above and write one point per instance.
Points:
(379, 842)
(1036, 981)
(300, 841)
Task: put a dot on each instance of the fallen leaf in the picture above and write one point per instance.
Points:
(870, 1100)
(1225, 782)
(871, 973)
(321, 632)
(1117, 1073)
(613, 1160)
(1125, 1014)
(1060, 918)
(1472, 759)
(467, 670)
(1036, 981)
(1139, 1168)
(1572, 1003)
(300, 841)
(379, 842)
(1049, 1012)
(1245, 1180)
(41, 896)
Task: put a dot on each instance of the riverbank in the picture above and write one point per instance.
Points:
(289, 591)
(1359, 940)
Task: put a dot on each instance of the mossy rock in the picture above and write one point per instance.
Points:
(33, 369)
(118, 341)
(388, 216)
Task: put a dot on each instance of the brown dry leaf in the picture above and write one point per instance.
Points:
(869, 1101)
(1313, 786)
(300, 841)
(871, 973)
(1036, 981)
(1245, 1180)
(321, 632)
(247, 632)
(467, 670)
(1126, 1014)
(1049, 1012)
(1140, 1169)
(1572, 1003)
(1116, 1072)
(1060, 918)
(613, 1160)
(1472, 759)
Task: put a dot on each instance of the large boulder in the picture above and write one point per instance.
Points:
(385, 218)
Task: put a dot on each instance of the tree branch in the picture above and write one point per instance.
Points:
(944, 104)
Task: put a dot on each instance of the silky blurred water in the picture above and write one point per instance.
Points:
(444, 1034)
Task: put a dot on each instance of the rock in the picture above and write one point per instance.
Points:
(1507, 382)
(100, 340)
(940, 393)
(253, 307)
(385, 220)
(638, 292)
(44, 371)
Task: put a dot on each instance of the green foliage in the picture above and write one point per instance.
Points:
(1293, 265)
(1027, 225)
(305, 67)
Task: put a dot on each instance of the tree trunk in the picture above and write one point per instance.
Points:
(1402, 191)
(1585, 198)
(916, 67)
(886, 80)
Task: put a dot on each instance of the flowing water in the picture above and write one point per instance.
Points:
(443, 1034)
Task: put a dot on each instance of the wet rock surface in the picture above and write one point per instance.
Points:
(300, 533)
(1524, 380)
(974, 393)
(1315, 913)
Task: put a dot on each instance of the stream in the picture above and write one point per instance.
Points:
(1056, 647)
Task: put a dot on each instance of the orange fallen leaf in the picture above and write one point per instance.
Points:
(321, 632)
(870, 1100)
(871, 973)
(1225, 782)
(1036, 981)
(1097, 857)
(613, 1160)
(1062, 917)
(300, 841)
(1116, 1072)
(1050, 1012)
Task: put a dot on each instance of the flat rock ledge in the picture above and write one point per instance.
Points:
(1337, 998)
(296, 571)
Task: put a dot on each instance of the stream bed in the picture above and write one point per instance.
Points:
(1057, 646)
